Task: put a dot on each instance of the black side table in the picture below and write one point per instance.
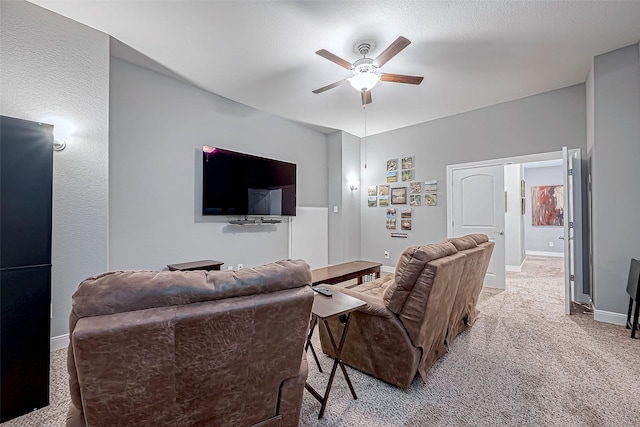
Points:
(324, 307)
(633, 289)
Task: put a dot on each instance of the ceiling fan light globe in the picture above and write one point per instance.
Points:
(364, 81)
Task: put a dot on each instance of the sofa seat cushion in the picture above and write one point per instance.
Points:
(372, 293)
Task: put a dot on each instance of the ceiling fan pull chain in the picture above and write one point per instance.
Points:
(364, 107)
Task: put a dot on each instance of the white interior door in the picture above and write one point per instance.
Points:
(573, 277)
(477, 206)
(567, 206)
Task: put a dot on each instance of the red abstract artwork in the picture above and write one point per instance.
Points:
(547, 205)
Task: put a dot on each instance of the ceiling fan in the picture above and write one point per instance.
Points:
(366, 71)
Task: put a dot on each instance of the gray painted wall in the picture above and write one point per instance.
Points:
(537, 238)
(57, 71)
(615, 175)
(344, 225)
(157, 128)
(536, 124)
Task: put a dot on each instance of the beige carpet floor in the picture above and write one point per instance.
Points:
(524, 363)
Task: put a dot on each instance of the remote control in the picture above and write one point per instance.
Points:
(321, 290)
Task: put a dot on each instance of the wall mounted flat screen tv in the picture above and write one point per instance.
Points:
(241, 184)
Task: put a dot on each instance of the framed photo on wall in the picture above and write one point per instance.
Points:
(407, 162)
(431, 199)
(407, 175)
(399, 196)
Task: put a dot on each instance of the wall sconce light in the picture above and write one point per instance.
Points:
(59, 145)
(62, 131)
(353, 186)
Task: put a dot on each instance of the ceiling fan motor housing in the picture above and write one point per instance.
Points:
(365, 74)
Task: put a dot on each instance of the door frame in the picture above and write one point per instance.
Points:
(553, 155)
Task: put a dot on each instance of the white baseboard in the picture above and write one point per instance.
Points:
(542, 253)
(61, 341)
(515, 268)
(388, 269)
(610, 317)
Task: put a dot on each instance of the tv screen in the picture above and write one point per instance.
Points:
(240, 184)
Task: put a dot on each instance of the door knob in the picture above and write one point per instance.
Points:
(499, 232)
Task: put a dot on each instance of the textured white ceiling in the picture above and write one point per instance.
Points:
(262, 53)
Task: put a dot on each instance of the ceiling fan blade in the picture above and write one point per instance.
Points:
(393, 49)
(400, 78)
(333, 58)
(366, 97)
(331, 86)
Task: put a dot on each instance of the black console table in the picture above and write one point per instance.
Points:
(207, 264)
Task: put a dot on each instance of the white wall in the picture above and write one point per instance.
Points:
(57, 71)
(615, 177)
(513, 218)
(537, 238)
(157, 128)
(536, 124)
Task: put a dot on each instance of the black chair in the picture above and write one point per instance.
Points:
(633, 289)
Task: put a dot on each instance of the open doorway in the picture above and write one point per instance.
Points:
(477, 203)
(534, 233)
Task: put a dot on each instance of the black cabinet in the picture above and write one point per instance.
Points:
(26, 175)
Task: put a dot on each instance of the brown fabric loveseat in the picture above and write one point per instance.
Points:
(404, 326)
(190, 348)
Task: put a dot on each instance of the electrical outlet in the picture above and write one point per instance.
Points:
(386, 254)
(240, 267)
(550, 244)
(230, 268)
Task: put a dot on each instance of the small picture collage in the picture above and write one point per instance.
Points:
(402, 188)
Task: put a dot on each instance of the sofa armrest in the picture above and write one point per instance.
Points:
(291, 392)
(375, 305)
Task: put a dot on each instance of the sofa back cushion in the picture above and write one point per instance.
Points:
(463, 243)
(479, 238)
(410, 267)
(121, 291)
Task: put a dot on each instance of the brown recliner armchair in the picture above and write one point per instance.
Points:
(403, 327)
(190, 348)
